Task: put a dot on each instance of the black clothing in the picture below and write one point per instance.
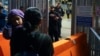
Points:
(68, 12)
(21, 40)
(53, 25)
(61, 13)
(2, 16)
(2, 21)
(59, 27)
(52, 19)
(63, 2)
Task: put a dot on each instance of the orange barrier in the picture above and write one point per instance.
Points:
(77, 46)
(1, 38)
(81, 47)
(61, 46)
(1, 53)
(5, 46)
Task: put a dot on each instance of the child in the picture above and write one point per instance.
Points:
(15, 20)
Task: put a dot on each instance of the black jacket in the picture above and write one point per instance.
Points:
(53, 22)
(59, 11)
(21, 40)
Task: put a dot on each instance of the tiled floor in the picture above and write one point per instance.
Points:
(66, 27)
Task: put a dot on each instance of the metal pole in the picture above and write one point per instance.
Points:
(73, 24)
(94, 15)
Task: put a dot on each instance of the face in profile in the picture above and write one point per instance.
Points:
(17, 20)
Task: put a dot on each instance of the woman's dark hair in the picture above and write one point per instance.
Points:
(32, 18)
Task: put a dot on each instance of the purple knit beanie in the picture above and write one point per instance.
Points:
(16, 12)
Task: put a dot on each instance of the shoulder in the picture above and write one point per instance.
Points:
(41, 37)
(46, 38)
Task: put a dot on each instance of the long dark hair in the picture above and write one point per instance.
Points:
(32, 18)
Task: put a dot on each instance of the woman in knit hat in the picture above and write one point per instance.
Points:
(13, 28)
(15, 20)
(15, 17)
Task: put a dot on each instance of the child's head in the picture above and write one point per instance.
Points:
(15, 17)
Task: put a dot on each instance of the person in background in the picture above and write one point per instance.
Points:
(4, 10)
(68, 12)
(60, 11)
(53, 24)
(3, 16)
(63, 4)
(2, 19)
